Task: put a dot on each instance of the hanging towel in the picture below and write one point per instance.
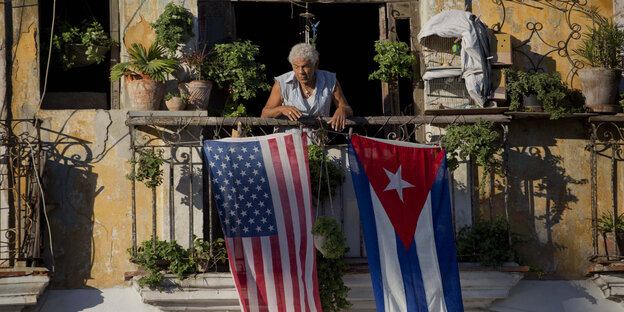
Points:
(475, 49)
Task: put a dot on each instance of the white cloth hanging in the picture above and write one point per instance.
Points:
(457, 24)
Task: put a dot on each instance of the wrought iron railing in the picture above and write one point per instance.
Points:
(21, 204)
(607, 148)
(180, 136)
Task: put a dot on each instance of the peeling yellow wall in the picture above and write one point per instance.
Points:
(549, 199)
(557, 26)
(92, 224)
(25, 71)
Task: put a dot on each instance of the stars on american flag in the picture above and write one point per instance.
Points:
(241, 189)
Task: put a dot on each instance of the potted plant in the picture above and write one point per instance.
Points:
(328, 237)
(602, 47)
(478, 140)
(156, 256)
(173, 27)
(234, 67)
(539, 92)
(208, 255)
(395, 60)
(145, 75)
(81, 46)
(198, 89)
(175, 102)
(332, 289)
(612, 243)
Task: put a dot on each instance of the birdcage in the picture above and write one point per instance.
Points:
(441, 52)
(447, 93)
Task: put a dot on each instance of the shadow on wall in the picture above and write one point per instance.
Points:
(72, 187)
(542, 192)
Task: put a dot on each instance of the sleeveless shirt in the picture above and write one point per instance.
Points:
(319, 102)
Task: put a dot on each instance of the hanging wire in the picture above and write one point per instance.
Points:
(45, 79)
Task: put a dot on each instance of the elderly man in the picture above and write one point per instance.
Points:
(307, 91)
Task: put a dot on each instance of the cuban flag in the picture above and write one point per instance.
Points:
(402, 191)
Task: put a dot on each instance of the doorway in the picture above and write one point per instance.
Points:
(73, 88)
(345, 40)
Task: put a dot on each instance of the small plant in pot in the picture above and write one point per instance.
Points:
(198, 64)
(612, 243)
(156, 257)
(175, 102)
(602, 47)
(80, 46)
(539, 92)
(144, 73)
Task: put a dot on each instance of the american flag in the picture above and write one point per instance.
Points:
(262, 191)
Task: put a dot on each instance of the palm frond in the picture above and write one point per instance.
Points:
(145, 63)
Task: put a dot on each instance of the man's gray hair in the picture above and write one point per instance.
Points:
(303, 50)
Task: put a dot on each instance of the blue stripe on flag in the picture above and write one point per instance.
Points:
(415, 296)
(444, 239)
(367, 215)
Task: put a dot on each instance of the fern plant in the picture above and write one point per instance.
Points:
(148, 64)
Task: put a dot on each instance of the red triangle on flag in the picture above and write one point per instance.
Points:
(402, 177)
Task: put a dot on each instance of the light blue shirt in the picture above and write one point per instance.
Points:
(319, 102)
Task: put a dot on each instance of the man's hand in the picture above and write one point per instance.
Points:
(338, 120)
(291, 112)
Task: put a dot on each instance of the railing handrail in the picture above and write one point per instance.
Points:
(194, 119)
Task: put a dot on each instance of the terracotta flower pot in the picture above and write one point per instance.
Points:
(198, 94)
(612, 246)
(175, 104)
(600, 88)
(145, 94)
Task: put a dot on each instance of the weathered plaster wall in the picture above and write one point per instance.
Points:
(25, 68)
(550, 202)
(549, 167)
(87, 153)
(514, 17)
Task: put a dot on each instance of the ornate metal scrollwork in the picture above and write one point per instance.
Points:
(19, 178)
(562, 47)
